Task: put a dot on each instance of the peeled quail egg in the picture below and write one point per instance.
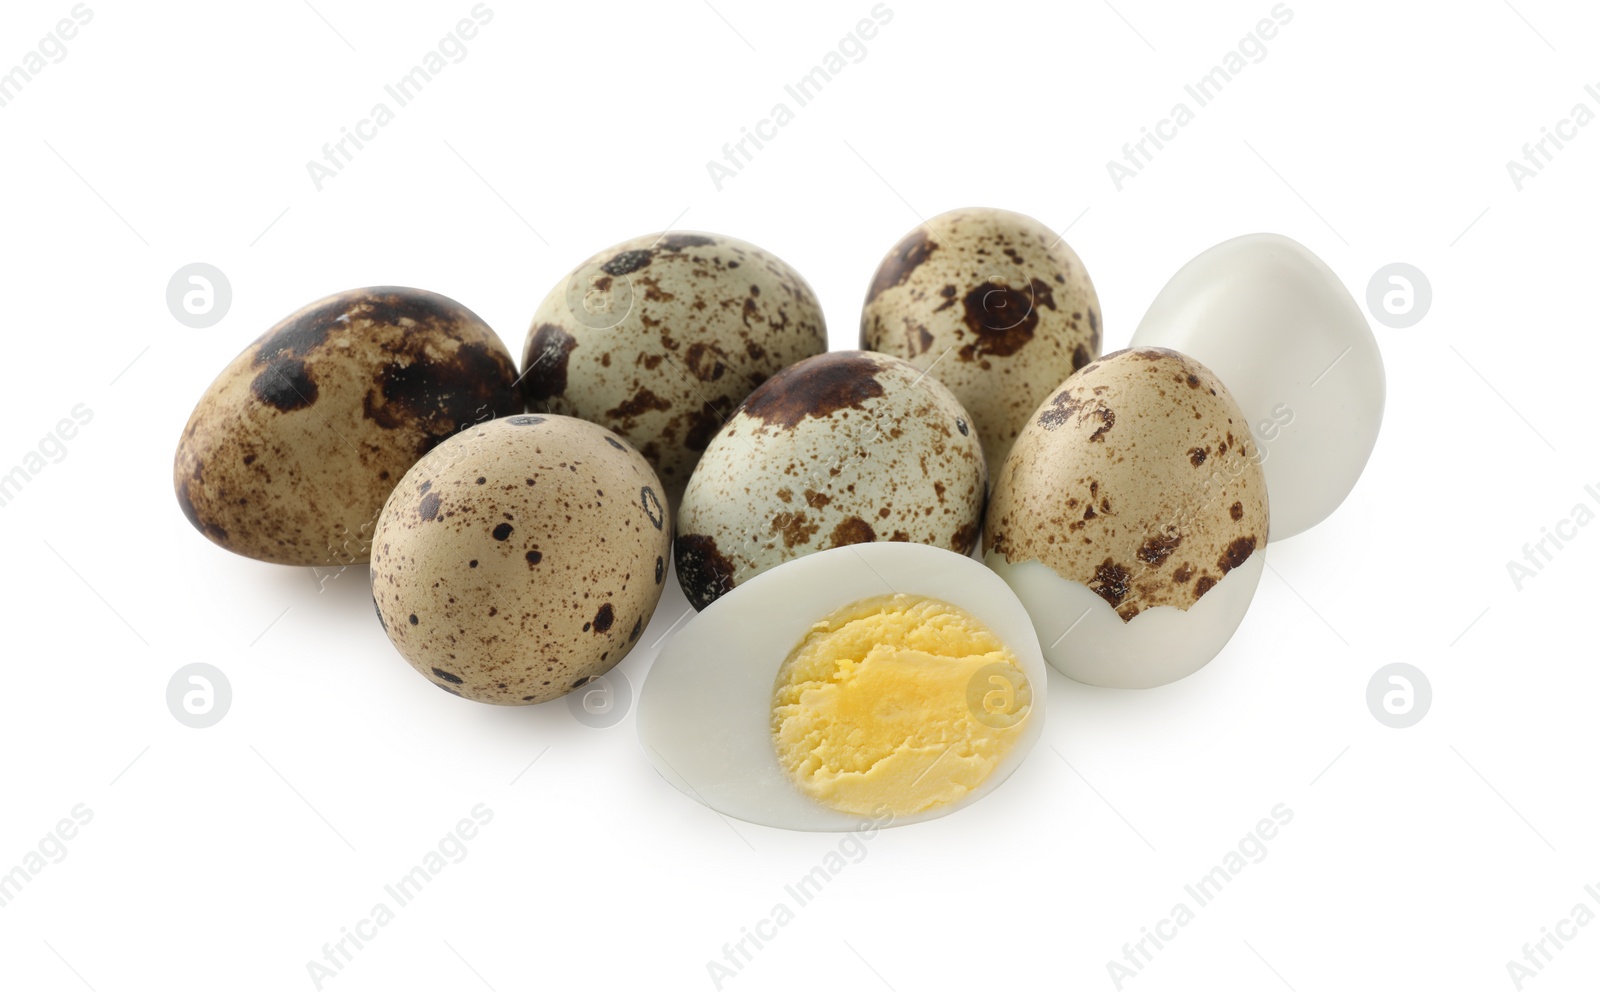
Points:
(521, 558)
(842, 448)
(898, 682)
(1130, 518)
(291, 452)
(660, 337)
(1274, 322)
(995, 304)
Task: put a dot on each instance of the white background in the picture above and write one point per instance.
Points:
(227, 857)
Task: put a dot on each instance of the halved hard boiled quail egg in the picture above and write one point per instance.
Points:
(890, 681)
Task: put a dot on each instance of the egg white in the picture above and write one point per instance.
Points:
(705, 710)
(1280, 330)
(1082, 637)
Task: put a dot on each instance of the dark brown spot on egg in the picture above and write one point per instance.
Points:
(638, 626)
(643, 400)
(428, 509)
(661, 569)
(964, 538)
(502, 531)
(652, 506)
(818, 387)
(703, 571)
(1111, 582)
(603, 618)
(1236, 511)
(1108, 420)
(286, 385)
(449, 677)
(1002, 318)
(534, 557)
(544, 363)
(442, 395)
(413, 619)
(1063, 407)
(615, 443)
(852, 530)
(628, 261)
(1155, 550)
(705, 361)
(1203, 585)
(186, 504)
(1237, 551)
(1197, 457)
(794, 528)
(1184, 573)
(901, 261)
(1080, 357)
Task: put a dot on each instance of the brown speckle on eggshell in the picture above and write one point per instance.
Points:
(514, 587)
(842, 448)
(661, 337)
(1138, 478)
(996, 304)
(291, 452)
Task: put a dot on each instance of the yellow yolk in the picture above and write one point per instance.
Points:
(899, 703)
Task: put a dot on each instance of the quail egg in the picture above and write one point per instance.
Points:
(291, 452)
(995, 304)
(660, 337)
(1131, 519)
(521, 558)
(842, 448)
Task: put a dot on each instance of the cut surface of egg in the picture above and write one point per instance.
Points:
(886, 681)
(1276, 325)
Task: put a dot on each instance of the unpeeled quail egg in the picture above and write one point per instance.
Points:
(291, 452)
(660, 337)
(995, 304)
(521, 558)
(842, 448)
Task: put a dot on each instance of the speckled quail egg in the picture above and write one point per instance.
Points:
(856, 688)
(660, 337)
(291, 452)
(1276, 324)
(1131, 519)
(521, 558)
(996, 304)
(842, 448)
